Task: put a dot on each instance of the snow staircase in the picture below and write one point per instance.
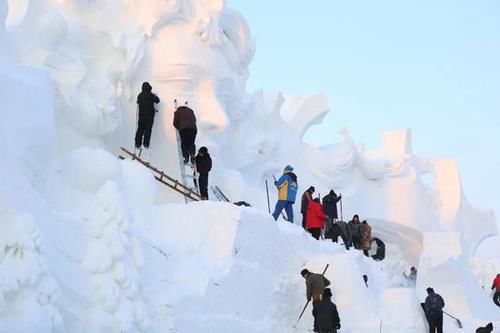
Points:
(165, 179)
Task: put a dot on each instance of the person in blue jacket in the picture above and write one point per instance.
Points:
(287, 191)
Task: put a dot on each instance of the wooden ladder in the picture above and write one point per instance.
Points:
(165, 179)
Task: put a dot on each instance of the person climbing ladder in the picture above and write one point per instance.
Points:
(185, 123)
(146, 101)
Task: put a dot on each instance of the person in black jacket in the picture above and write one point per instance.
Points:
(433, 308)
(307, 197)
(185, 123)
(203, 166)
(330, 205)
(326, 315)
(146, 101)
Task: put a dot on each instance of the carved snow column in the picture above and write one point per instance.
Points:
(300, 113)
(456, 213)
(25, 282)
(113, 259)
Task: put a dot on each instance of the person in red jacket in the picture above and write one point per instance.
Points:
(315, 218)
(496, 286)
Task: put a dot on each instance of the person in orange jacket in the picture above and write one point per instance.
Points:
(315, 218)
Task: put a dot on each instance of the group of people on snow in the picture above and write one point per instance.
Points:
(184, 123)
(318, 217)
(326, 316)
(321, 217)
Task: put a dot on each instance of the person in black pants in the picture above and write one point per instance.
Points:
(433, 308)
(326, 316)
(203, 166)
(146, 101)
(185, 123)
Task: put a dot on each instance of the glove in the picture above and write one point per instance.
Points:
(337, 326)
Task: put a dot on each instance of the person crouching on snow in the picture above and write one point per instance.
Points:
(287, 191)
(203, 166)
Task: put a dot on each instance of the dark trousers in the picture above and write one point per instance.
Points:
(436, 323)
(315, 313)
(315, 232)
(304, 217)
(188, 136)
(143, 134)
(287, 206)
(496, 298)
(203, 183)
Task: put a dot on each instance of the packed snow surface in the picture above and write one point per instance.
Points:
(92, 243)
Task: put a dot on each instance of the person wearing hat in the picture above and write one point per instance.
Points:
(307, 197)
(330, 205)
(287, 191)
(203, 166)
(433, 308)
(315, 288)
(146, 101)
(326, 314)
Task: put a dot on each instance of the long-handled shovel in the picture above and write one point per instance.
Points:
(268, 204)
(307, 303)
(457, 321)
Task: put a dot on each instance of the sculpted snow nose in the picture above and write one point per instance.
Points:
(213, 118)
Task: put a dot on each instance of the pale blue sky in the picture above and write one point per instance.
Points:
(430, 65)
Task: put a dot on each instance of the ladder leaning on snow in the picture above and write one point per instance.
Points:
(165, 179)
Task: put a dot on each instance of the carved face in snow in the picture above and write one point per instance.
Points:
(201, 58)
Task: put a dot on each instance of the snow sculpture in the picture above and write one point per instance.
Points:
(198, 52)
(24, 281)
(113, 259)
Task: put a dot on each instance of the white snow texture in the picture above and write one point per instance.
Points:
(91, 243)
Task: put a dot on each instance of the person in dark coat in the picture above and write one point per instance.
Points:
(330, 205)
(307, 197)
(146, 101)
(355, 226)
(203, 166)
(486, 329)
(326, 315)
(380, 246)
(433, 308)
(185, 123)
